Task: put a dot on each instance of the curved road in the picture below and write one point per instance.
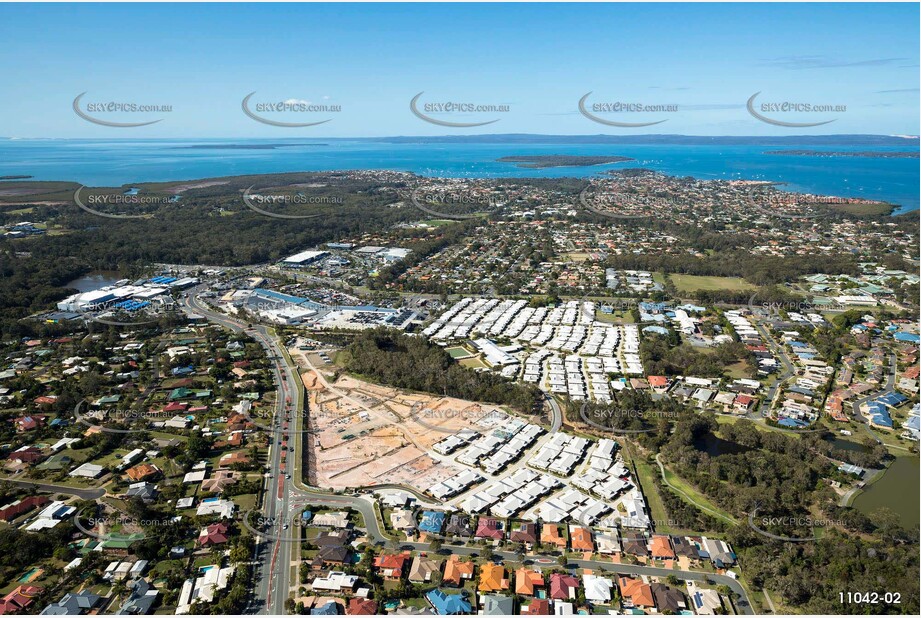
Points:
(273, 573)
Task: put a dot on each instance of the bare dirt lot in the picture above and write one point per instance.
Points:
(365, 434)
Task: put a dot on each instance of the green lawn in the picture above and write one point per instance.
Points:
(458, 352)
(692, 283)
(694, 497)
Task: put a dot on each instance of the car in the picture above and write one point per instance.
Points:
(286, 526)
(287, 476)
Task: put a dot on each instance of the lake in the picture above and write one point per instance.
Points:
(898, 489)
(94, 280)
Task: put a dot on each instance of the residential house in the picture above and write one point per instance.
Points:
(492, 578)
(635, 593)
(361, 607)
(536, 607)
(73, 604)
(525, 533)
(457, 571)
(563, 587)
(597, 589)
(422, 569)
(215, 534)
(336, 582)
(446, 604)
(458, 526)
(661, 547)
(528, 581)
(19, 599)
(489, 528)
(497, 605)
(142, 472)
(550, 535)
(580, 539)
(392, 566)
(704, 601)
(668, 600)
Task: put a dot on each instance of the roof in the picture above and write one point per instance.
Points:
(432, 521)
(489, 527)
(563, 586)
(448, 604)
(526, 580)
(422, 568)
(497, 605)
(537, 607)
(661, 547)
(668, 599)
(636, 591)
(580, 538)
(362, 607)
(492, 577)
(456, 571)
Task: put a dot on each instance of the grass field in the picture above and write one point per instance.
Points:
(472, 363)
(656, 506)
(458, 352)
(692, 283)
(617, 317)
(694, 497)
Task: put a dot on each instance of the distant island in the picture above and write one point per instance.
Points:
(15, 177)
(544, 161)
(868, 154)
(242, 146)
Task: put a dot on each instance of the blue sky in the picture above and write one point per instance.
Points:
(538, 59)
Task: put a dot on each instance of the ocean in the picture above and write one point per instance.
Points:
(117, 162)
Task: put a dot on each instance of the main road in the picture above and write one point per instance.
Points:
(283, 497)
(273, 553)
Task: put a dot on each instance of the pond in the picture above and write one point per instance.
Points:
(714, 446)
(851, 445)
(94, 280)
(898, 489)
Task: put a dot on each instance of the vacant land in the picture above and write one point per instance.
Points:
(692, 283)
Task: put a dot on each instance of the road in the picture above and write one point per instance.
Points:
(272, 572)
(372, 525)
(83, 494)
(556, 414)
(788, 369)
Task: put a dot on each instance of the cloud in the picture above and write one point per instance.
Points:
(896, 91)
(297, 102)
(824, 62)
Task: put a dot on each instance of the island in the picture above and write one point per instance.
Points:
(868, 154)
(545, 161)
(15, 177)
(242, 146)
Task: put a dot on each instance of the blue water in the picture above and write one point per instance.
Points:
(122, 162)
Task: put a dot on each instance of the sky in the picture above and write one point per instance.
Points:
(539, 60)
